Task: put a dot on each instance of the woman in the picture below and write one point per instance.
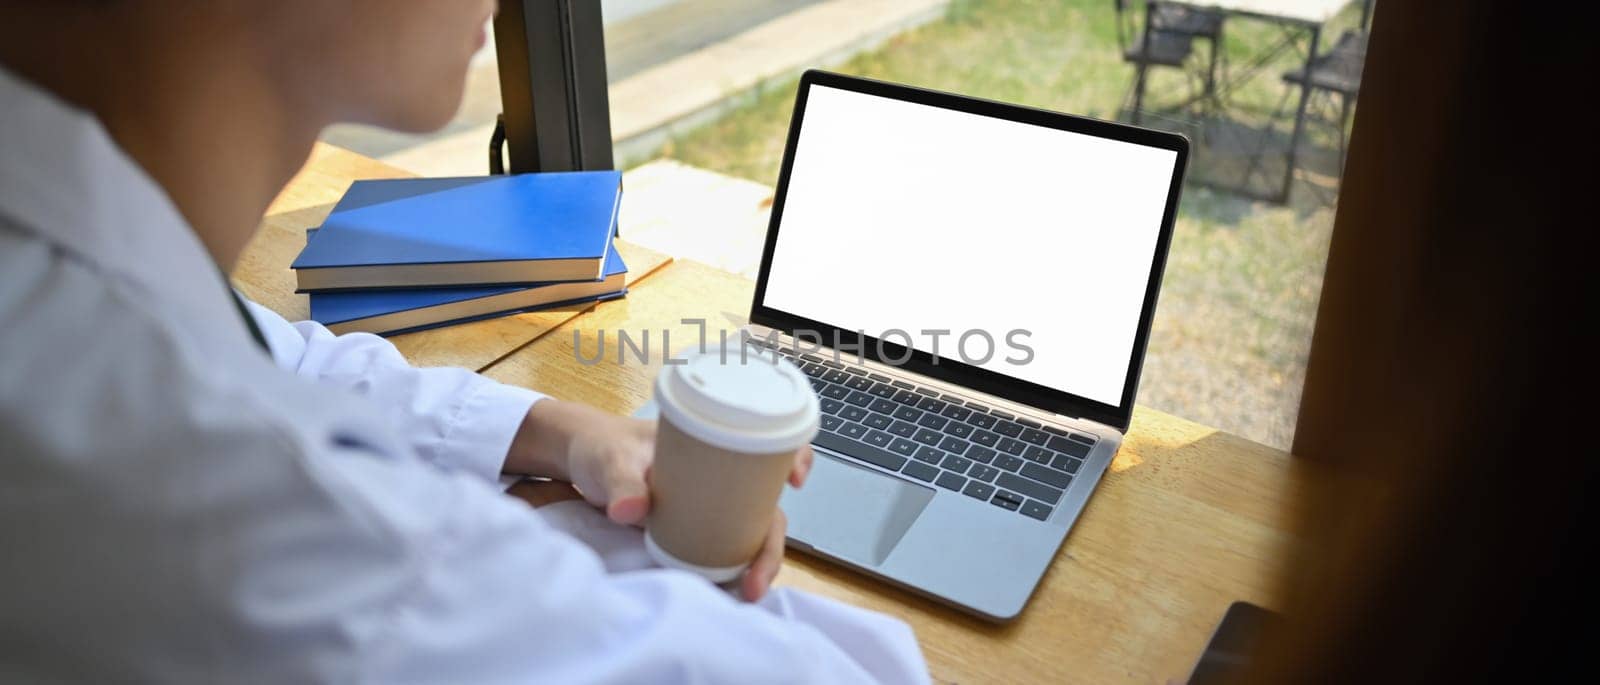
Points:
(178, 503)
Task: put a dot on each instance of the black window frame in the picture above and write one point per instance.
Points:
(555, 112)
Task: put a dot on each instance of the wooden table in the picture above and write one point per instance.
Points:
(1187, 520)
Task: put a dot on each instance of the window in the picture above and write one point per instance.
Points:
(701, 92)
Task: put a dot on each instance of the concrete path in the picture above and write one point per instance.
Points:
(674, 95)
(670, 29)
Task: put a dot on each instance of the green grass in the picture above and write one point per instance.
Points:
(1239, 297)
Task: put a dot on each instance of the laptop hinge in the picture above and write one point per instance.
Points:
(760, 332)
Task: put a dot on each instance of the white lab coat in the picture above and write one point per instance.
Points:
(176, 506)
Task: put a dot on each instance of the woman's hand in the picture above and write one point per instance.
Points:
(607, 458)
(604, 455)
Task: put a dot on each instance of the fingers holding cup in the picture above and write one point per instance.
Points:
(802, 466)
(731, 435)
(758, 579)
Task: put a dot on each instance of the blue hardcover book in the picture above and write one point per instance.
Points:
(378, 191)
(391, 312)
(496, 230)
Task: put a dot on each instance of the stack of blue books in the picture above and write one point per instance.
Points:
(403, 255)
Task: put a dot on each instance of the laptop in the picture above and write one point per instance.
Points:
(969, 286)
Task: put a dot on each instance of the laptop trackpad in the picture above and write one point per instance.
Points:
(850, 512)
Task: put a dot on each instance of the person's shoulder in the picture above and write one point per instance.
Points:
(58, 313)
(91, 374)
(86, 352)
(83, 365)
(52, 308)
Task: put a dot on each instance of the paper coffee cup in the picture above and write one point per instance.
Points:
(729, 430)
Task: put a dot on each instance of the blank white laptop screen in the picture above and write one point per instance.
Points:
(916, 218)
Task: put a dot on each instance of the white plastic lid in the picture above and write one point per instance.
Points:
(748, 404)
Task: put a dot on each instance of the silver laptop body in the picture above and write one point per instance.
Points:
(1086, 207)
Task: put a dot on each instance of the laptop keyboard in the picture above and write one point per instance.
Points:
(1012, 462)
